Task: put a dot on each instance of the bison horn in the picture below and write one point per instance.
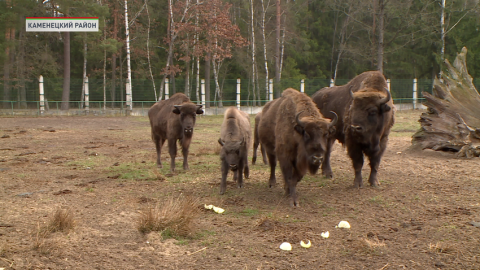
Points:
(297, 119)
(334, 120)
(385, 99)
(351, 94)
(178, 106)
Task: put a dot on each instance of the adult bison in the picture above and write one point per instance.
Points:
(365, 110)
(256, 141)
(173, 119)
(235, 137)
(293, 130)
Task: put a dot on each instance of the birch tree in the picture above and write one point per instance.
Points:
(129, 69)
(254, 62)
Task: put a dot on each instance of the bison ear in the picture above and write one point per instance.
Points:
(299, 129)
(385, 108)
(221, 142)
(332, 130)
(199, 109)
(176, 109)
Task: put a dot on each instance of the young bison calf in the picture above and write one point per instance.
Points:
(235, 135)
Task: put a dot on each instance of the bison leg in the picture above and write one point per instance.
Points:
(255, 147)
(291, 178)
(326, 168)
(374, 164)
(185, 146)
(158, 145)
(272, 160)
(356, 154)
(172, 150)
(246, 170)
(239, 171)
(264, 154)
(223, 184)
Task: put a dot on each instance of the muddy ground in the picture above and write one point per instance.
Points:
(102, 170)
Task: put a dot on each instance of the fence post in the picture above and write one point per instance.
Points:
(87, 96)
(388, 86)
(332, 83)
(42, 95)
(270, 89)
(202, 90)
(238, 94)
(167, 94)
(415, 95)
(302, 86)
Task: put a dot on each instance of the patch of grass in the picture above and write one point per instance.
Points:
(61, 221)
(440, 247)
(249, 212)
(174, 218)
(88, 163)
(135, 171)
(377, 199)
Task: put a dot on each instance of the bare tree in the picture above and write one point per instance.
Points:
(277, 51)
(128, 89)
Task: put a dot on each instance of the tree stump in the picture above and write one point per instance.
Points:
(452, 120)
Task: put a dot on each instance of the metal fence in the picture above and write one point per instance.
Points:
(25, 94)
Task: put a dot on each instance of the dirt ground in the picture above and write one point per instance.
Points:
(102, 169)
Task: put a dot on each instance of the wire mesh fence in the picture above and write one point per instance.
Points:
(109, 94)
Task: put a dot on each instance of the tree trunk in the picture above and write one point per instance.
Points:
(264, 11)
(148, 52)
(82, 97)
(22, 95)
(66, 72)
(207, 80)
(254, 71)
(114, 56)
(128, 90)
(9, 37)
(452, 122)
(381, 30)
(277, 53)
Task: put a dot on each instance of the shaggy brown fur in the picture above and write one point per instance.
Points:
(364, 122)
(293, 130)
(256, 141)
(235, 139)
(173, 119)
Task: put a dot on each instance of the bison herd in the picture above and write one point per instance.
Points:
(296, 130)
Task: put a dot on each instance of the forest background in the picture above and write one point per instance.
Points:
(219, 41)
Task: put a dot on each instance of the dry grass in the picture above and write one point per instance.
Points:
(61, 221)
(440, 247)
(207, 150)
(175, 216)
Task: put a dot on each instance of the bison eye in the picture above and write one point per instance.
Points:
(372, 112)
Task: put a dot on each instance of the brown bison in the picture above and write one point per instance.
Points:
(235, 137)
(365, 110)
(173, 119)
(256, 141)
(293, 130)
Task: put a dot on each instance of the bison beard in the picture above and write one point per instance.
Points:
(364, 107)
(173, 120)
(298, 139)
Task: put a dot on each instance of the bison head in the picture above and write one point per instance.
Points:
(367, 116)
(232, 152)
(315, 133)
(188, 113)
